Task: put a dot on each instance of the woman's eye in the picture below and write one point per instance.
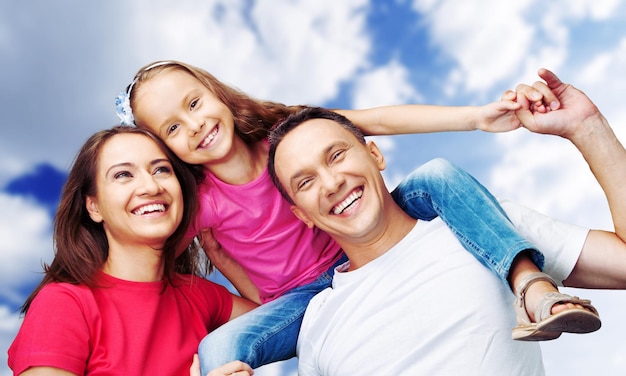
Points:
(163, 170)
(172, 128)
(122, 174)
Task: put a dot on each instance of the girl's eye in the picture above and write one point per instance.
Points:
(172, 128)
(193, 104)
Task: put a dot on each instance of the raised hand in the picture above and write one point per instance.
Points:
(563, 110)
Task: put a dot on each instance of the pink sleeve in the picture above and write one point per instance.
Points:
(53, 334)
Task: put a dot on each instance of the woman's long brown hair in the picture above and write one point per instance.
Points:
(81, 245)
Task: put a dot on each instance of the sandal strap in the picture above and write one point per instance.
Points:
(520, 304)
(544, 310)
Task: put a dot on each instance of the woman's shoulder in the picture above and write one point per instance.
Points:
(53, 288)
(191, 282)
(62, 293)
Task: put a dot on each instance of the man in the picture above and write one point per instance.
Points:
(412, 300)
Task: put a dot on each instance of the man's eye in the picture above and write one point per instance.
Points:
(336, 155)
(303, 184)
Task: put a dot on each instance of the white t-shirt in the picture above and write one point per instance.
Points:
(425, 307)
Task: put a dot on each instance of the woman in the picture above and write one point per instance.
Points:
(115, 299)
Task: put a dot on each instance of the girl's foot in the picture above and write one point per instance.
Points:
(543, 313)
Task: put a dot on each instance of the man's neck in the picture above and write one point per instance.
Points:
(394, 228)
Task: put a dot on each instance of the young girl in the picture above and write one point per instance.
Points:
(110, 302)
(269, 255)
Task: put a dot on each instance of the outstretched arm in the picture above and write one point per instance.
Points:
(577, 119)
(404, 119)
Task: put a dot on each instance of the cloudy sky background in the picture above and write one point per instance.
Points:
(64, 62)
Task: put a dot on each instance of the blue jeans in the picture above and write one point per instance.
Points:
(438, 188)
(266, 334)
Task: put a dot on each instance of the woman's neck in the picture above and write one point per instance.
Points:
(137, 264)
(244, 164)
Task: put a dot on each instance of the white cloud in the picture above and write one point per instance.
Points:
(384, 85)
(548, 173)
(288, 51)
(487, 40)
(9, 325)
(492, 41)
(25, 241)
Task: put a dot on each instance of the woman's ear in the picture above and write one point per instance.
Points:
(92, 208)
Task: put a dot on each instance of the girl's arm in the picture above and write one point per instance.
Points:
(413, 118)
(229, 268)
(241, 306)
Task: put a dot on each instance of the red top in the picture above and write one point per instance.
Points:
(121, 328)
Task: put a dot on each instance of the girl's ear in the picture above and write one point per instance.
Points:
(92, 208)
(377, 155)
(301, 216)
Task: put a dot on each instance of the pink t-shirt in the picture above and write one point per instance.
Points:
(125, 328)
(256, 227)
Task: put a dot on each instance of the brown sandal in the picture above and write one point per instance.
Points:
(547, 325)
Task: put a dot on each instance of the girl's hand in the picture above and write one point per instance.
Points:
(499, 116)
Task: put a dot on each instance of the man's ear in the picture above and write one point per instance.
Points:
(92, 208)
(301, 216)
(377, 155)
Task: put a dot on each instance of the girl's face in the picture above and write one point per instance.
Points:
(192, 121)
(139, 200)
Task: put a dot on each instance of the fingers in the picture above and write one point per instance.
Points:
(194, 370)
(233, 368)
(508, 95)
(549, 99)
(550, 78)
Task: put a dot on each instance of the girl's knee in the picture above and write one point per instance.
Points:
(440, 167)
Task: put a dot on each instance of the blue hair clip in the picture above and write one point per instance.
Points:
(122, 101)
(123, 110)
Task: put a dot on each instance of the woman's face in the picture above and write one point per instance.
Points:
(188, 117)
(139, 199)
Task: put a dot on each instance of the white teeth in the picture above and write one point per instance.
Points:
(150, 209)
(209, 138)
(347, 202)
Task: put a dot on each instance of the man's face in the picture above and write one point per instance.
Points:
(333, 179)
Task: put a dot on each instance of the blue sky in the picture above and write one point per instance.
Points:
(64, 62)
